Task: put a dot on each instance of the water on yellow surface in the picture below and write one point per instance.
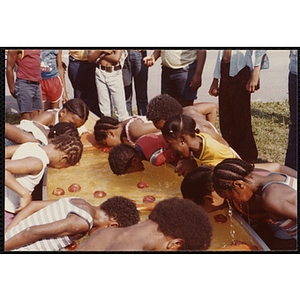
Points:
(94, 173)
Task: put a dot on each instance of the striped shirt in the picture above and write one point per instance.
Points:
(51, 213)
(286, 228)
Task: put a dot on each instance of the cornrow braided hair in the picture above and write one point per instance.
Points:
(103, 125)
(70, 145)
(178, 125)
(77, 107)
(62, 128)
(229, 170)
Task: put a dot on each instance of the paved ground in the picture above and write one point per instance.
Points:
(274, 81)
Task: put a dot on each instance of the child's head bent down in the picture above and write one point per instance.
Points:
(124, 159)
(74, 111)
(197, 186)
(183, 220)
(122, 210)
(105, 131)
(178, 131)
(160, 108)
(230, 179)
(71, 149)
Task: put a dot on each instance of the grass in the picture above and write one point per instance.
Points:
(270, 124)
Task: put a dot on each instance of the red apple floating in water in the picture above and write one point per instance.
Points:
(58, 191)
(73, 188)
(106, 150)
(72, 246)
(99, 194)
(142, 185)
(149, 199)
(220, 218)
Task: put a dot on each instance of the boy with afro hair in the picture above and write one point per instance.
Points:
(174, 224)
(54, 224)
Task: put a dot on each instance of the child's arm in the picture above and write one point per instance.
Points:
(72, 225)
(17, 135)
(139, 128)
(46, 118)
(30, 209)
(28, 165)
(208, 109)
(10, 150)
(276, 167)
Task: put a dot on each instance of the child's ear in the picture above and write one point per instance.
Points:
(135, 161)
(175, 244)
(63, 156)
(113, 224)
(110, 133)
(239, 184)
(62, 112)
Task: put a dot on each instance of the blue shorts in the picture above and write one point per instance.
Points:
(176, 82)
(29, 95)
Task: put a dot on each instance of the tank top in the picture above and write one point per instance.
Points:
(29, 65)
(285, 228)
(28, 181)
(132, 119)
(29, 126)
(54, 212)
(154, 149)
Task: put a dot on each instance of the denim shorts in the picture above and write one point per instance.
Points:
(176, 82)
(29, 95)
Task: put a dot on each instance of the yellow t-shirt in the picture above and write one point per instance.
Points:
(79, 54)
(177, 59)
(213, 152)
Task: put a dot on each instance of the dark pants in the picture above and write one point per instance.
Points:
(134, 67)
(82, 77)
(291, 154)
(235, 113)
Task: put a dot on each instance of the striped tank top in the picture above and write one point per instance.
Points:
(286, 228)
(51, 213)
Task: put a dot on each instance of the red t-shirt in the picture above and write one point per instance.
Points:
(29, 65)
(155, 149)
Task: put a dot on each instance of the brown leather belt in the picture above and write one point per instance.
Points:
(110, 68)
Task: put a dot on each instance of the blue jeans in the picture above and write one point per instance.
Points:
(134, 67)
(176, 82)
(292, 151)
(82, 77)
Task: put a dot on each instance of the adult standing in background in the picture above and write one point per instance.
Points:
(134, 67)
(238, 79)
(26, 88)
(181, 73)
(292, 151)
(109, 81)
(82, 76)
